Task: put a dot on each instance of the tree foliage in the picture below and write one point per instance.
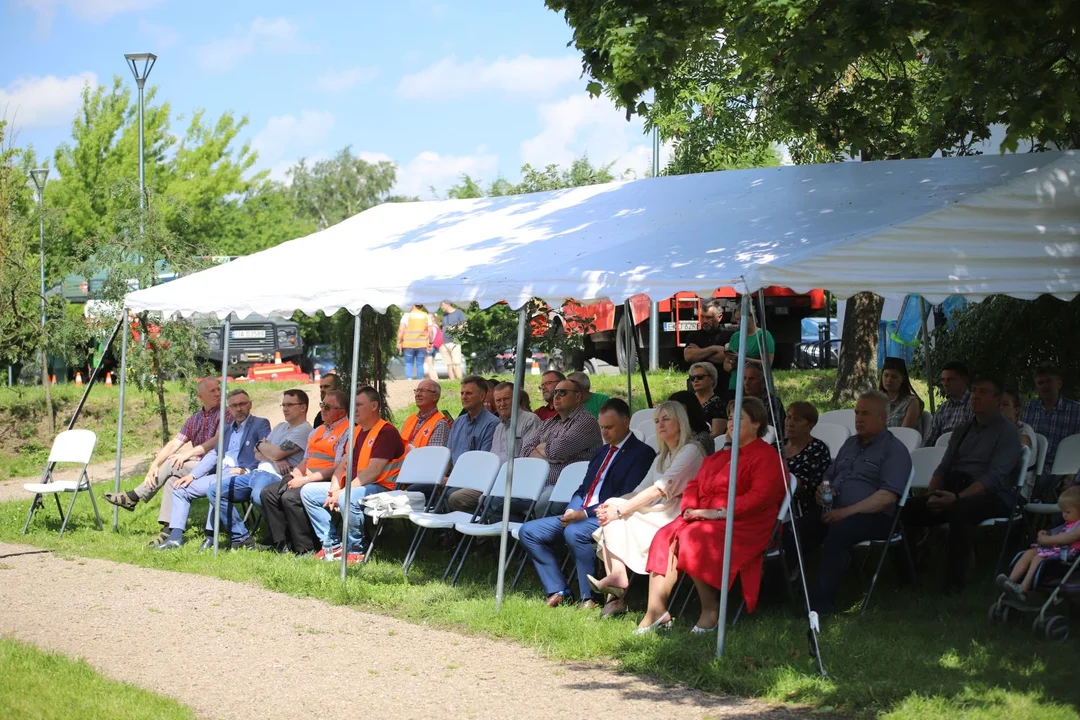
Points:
(580, 173)
(332, 190)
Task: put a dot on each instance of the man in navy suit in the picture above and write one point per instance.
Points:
(616, 468)
(241, 436)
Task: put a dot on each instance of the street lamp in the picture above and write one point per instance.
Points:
(39, 175)
(141, 64)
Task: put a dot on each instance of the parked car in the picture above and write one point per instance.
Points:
(319, 357)
(809, 353)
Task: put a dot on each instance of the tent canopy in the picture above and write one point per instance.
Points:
(971, 226)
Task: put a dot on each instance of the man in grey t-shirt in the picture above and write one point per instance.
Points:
(867, 477)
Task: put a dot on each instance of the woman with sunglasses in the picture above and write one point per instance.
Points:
(703, 385)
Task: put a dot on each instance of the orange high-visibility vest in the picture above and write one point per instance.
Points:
(389, 475)
(416, 330)
(321, 452)
(419, 437)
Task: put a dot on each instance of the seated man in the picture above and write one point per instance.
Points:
(466, 500)
(1050, 414)
(179, 456)
(754, 386)
(548, 382)
(327, 382)
(592, 401)
(277, 454)
(867, 479)
(426, 426)
(568, 437)
(286, 520)
(956, 409)
(616, 468)
(976, 479)
(475, 426)
(377, 455)
(241, 435)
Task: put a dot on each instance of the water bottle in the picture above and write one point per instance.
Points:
(826, 496)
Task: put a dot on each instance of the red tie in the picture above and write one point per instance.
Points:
(596, 480)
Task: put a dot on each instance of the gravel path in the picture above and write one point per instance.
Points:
(232, 650)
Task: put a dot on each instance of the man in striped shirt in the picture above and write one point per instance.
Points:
(956, 410)
(1050, 414)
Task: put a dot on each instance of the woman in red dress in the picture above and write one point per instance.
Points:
(694, 542)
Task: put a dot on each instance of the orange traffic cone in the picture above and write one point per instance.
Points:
(78, 379)
(535, 367)
(277, 357)
(318, 375)
(108, 379)
(53, 380)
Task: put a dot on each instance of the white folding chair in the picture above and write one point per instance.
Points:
(770, 435)
(530, 477)
(474, 470)
(643, 419)
(926, 424)
(924, 461)
(943, 439)
(1014, 511)
(421, 466)
(911, 437)
(1066, 462)
(71, 446)
(844, 418)
(895, 536)
(652, 441)
(832, 435)
(1042, 445)
(570, 479)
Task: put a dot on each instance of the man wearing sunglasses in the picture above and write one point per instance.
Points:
(569, 437)
(278, 453)
(327, 382)
(282, 506)
(241, 436)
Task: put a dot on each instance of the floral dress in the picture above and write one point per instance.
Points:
(809, 465)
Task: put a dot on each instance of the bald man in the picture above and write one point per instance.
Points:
(179, 456)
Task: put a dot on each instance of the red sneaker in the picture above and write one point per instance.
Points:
(353, 558)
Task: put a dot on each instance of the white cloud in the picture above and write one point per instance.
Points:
(579, 125)
(157, 37)
(522, 76)
(277, 34)
(431, 170)
(92, 10)
(288, 136)
(44, 101)
(336, 81)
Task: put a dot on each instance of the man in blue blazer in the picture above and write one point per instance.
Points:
(616, 468)
(241, 436)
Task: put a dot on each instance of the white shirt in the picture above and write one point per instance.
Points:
(603, 474)
(232, 452)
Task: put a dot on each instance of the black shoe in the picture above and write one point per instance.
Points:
(207, 544)
(247, 543)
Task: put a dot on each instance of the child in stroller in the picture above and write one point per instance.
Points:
(1061, 542)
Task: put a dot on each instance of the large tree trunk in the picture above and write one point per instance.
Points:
(857, 370)
(159, 378)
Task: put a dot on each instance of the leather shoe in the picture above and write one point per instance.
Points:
(556, 599)
(168, 545)
(613, 608)
(589, 604)
(207, 544)
(248, 543)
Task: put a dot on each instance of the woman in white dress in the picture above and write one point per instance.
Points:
(628, 524)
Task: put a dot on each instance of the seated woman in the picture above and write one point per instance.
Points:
(807, 457)
(703, 384)
(905, 407)
(628, 524)
(699, 429)
(694, 542)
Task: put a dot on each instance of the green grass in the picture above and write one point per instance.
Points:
(24, 431)
(914, 655)
(40, 685)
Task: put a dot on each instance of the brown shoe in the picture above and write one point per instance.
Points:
(613, 608)
(589, 604)
(556, 599)
(120, 500)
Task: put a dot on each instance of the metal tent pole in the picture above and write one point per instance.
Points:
(926, 353)
(630, 356)
(511, 437)
(221, 427)
(654, 335)
(729, 522)
(126, 319)
(344, 508)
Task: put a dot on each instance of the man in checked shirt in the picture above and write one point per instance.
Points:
(569, 437)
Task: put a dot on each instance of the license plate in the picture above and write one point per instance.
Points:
(683, 326)
(248, 334)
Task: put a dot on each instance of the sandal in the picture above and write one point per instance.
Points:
(120, 500)
(161, 538)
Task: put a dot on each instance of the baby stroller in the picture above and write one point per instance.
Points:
(1062, 581)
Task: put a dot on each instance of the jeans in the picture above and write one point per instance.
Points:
(313, 495)
(183, 497)
(414, 363)
(236, 489)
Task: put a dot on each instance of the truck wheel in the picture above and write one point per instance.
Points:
(624, 352)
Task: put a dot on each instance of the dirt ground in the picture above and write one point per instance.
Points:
(232, 650)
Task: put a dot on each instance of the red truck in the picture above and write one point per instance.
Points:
(784, 310)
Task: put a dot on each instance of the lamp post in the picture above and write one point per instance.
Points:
(141, 64)
(39, 175)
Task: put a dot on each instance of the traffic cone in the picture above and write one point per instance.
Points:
(78, 379)
(108, 379)
(53, 380)
(277, 357)
(535, 367)
(318, 375)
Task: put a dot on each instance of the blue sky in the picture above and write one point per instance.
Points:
(441, 88)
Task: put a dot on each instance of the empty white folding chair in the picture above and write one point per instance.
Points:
(73, 447)
(570, 479)
(421, 466)
(911, 437)
(1066, 462)
(474, 470)
(1014, 510)
(924, 461)
(530, 477)
(1042, 445)
(895, 536)
(846, 418)
(643, 419)
(832, 435)
(943, 439)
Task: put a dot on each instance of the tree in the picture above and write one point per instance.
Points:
(332, 190)
(888, 80)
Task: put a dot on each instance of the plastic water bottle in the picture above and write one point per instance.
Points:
(826, 496)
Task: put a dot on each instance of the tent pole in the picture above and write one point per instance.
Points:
(511, 442)
(654, 335)
(826, 350)
(120, 412)
(630, 356)
(345, 508)
(94, 376)
(221, 427)
(636, 332)
(729, 522)
(926, 353)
